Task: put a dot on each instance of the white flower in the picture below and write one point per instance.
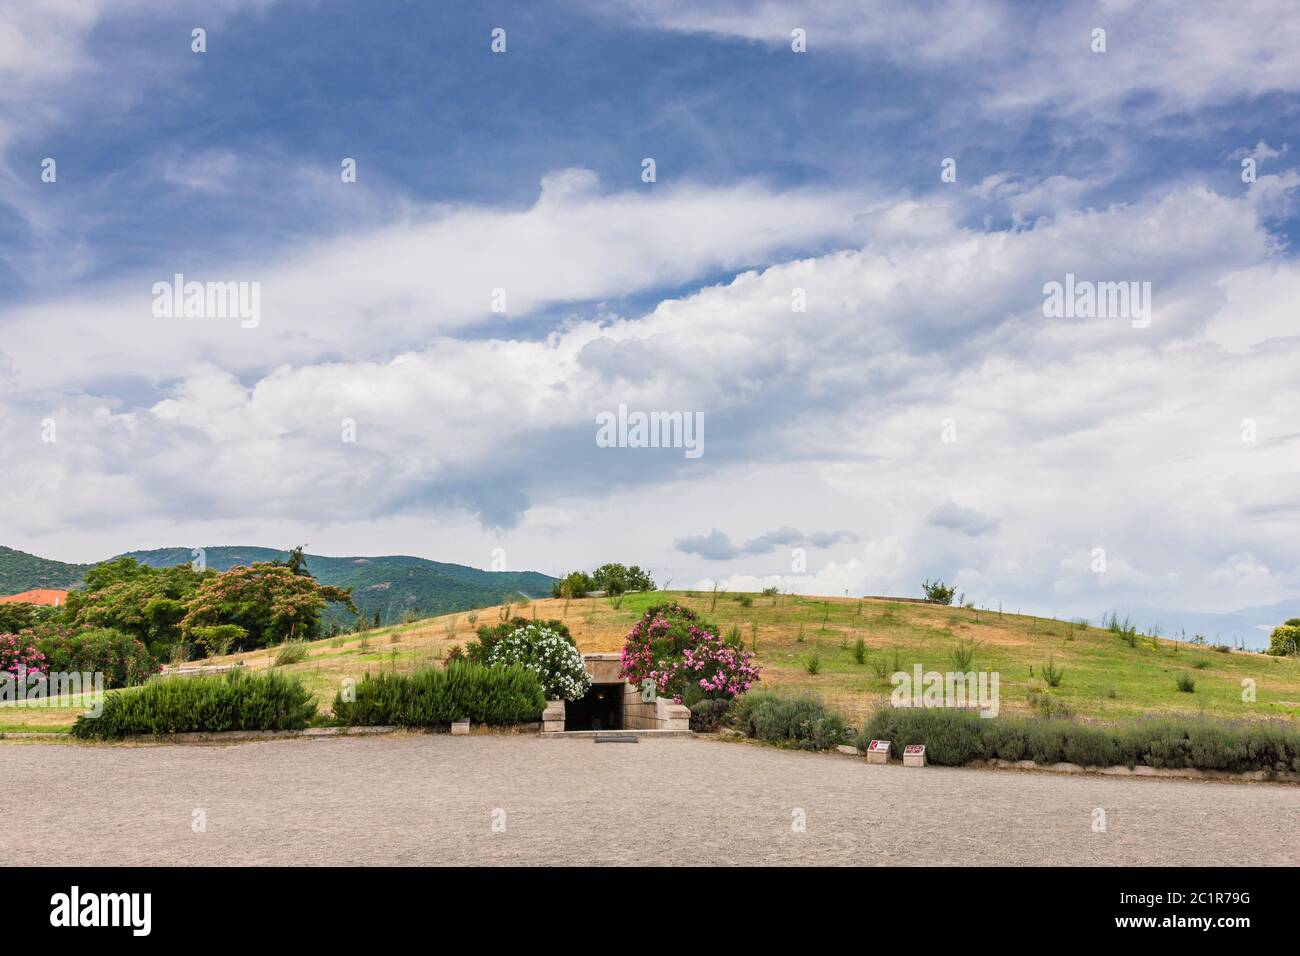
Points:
(555, 660)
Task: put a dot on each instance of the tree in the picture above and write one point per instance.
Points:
(142, 602)
(296, 562)
(122, 659)
(616, 579)
(1285, 639)
(18, 616)
(575, 584)
(937, 592)
(269, 601)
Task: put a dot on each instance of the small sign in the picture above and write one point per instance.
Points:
(914, 755)
(878, 751)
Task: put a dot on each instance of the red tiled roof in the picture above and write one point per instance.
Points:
(48, 596)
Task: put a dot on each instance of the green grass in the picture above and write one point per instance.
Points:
(14, 727)
(1104, 677)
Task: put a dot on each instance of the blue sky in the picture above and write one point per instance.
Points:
(775, 170)
(412, 91)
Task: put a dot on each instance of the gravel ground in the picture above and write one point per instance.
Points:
(431, 800)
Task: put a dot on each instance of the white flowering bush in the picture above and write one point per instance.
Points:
(549, 655)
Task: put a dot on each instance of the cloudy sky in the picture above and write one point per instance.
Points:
(500, 273)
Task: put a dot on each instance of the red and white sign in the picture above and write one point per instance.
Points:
(878, 751)
(914, 749)
(914, 755)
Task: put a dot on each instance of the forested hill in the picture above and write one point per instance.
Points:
(389, 584)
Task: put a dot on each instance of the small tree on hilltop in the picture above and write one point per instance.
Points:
(576, 584)
(615, 578)
(938, 592)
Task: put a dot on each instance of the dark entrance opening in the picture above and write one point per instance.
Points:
(601, 708)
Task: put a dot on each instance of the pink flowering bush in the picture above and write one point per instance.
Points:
(19, 657)
(685, 658)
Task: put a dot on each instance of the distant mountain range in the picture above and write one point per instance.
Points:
(389, 584)
(1250, 624)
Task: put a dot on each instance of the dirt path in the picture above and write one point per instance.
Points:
(430, 799)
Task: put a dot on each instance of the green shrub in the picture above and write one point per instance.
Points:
(1090, 746)
(290, 652)
(746, 601)
(232, 701)
(951, 737)
(963, 655)
(216, 640)
(1043, 702)
(122, 659)
(802, 722)
(548, 654)
(880, 666)
(860, 651)
(707, 714)
(488, 636)
(499, 694)
(813, 663)
(1185, 683)
(1285, 639)
(1052, 674)
(958, 736)
(1126, 632)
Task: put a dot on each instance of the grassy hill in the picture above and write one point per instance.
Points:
(1104, 678)
(392, 585)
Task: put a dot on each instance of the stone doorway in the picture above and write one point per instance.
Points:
(615, 703)
(600, 709)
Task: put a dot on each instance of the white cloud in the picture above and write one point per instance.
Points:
(399, 286)
(1073, 433)
(1241, 569)
(1183, 55)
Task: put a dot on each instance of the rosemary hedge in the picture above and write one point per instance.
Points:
(496, 694)
(233, 701)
